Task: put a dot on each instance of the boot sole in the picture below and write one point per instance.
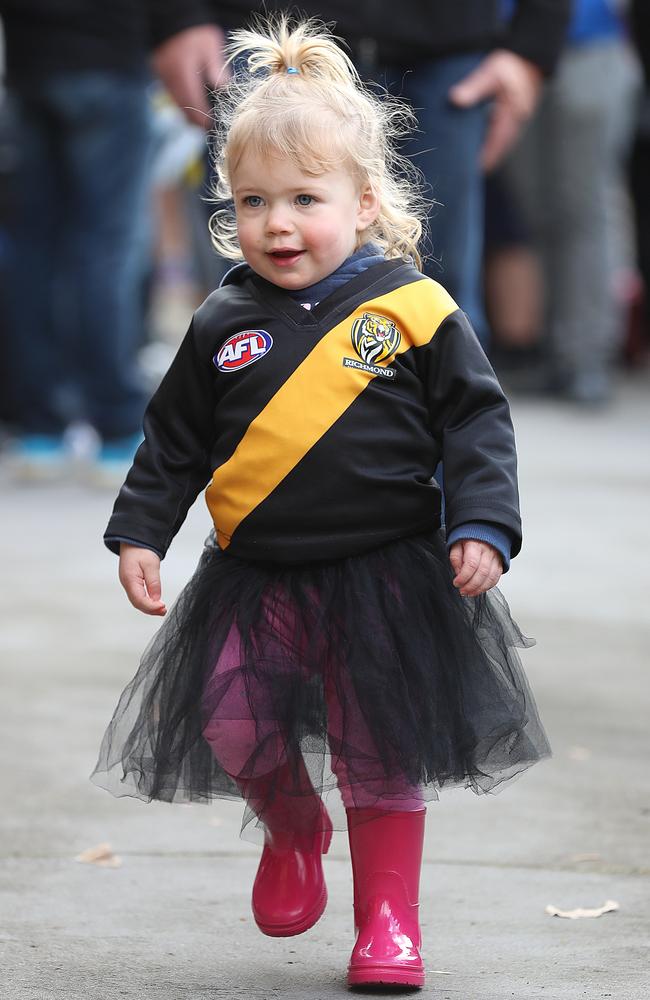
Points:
(385, 975)
(299, 926)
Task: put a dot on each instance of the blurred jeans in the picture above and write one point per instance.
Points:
(567, 174)
(446, 150)
(77, 253)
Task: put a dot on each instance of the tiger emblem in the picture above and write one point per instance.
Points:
(375, 338)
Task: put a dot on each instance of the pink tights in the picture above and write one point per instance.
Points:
(251, 747)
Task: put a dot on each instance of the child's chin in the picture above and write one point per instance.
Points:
(292, 282)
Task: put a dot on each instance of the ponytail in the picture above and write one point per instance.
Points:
(304, 49)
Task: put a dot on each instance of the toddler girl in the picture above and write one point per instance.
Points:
(332, 636)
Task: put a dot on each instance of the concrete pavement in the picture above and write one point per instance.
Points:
(173, 922)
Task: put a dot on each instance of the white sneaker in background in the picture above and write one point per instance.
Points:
(39, 458)
(113, 461)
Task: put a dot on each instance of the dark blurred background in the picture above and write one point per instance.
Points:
(104, 188)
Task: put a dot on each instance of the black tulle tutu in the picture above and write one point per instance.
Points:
(369, 674)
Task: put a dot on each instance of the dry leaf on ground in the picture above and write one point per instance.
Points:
(607, 907)
(101, 855)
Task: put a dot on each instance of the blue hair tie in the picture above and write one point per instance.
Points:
(292, 70)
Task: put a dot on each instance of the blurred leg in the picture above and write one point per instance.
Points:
(577, 141)
(586, 99)
(639, 173)
(37, 344)
(446, 150)
(107, 167)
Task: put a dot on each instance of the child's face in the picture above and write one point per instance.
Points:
(294, 229)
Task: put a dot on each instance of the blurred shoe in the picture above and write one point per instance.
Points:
(590, 388)
(39, 458)
(113, 461)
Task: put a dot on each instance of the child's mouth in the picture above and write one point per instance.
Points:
(286, 257)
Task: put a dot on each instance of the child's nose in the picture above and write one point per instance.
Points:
(278, 220)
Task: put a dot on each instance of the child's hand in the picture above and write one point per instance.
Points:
(477, 566)
(140, 577)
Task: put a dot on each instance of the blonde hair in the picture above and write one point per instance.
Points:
(295, 93)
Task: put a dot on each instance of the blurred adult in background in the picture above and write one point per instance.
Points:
(566, 173)
(7, 171)
(77, 78)
(640, 176)
(472, 79)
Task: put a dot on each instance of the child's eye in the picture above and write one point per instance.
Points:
(304, 200)
(253, 200)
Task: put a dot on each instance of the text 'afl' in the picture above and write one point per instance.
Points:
(242, 349)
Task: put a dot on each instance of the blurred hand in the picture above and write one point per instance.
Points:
(189, 62)
(477, 566)
(514, 84)
(140, 576)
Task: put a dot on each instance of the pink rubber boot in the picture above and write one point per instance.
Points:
(289, 892)
(386, 851)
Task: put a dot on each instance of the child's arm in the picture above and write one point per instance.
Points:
(470, 420)
(172, 464)
(140, 576)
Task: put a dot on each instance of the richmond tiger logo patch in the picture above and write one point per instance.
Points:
(375, 338)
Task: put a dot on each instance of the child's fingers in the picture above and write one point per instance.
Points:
(480, 571)
(134, 584)
(140, 576)
(152, 581)
(152, 584)
(141, 600)
(485, 578)
(471, 560)
(456, 556)
(472, 587)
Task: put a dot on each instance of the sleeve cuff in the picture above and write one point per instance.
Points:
(537, 32)
(112, 542)
(169, 17)
(484, 531)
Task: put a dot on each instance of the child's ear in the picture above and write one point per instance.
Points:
(368, 209)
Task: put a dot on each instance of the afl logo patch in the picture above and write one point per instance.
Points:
(242, 349)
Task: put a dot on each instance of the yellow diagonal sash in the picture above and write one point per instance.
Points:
(312, 399)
